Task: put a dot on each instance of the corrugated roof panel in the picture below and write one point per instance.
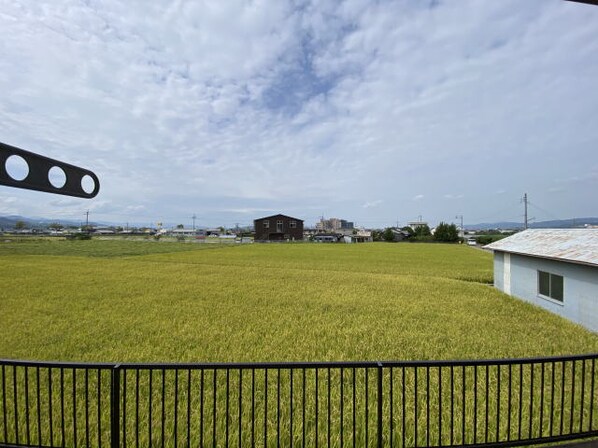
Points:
(572, 245)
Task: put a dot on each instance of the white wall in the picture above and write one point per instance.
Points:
(580, 302)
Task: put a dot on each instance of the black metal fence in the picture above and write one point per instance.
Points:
(355, 404)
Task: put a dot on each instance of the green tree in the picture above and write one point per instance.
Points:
(180, 226)
(423, 230)
(20, 225)
(446, 233)
(388, 235)
(377, 235)
(408, 229)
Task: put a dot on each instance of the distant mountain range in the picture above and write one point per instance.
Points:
(8, 222)
(554, 224)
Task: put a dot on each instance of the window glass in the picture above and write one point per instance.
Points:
(266, 224)
(556, 287)
(544, 283)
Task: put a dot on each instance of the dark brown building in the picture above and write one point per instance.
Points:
(278, 228)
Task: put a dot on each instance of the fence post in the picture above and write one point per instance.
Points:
(379, 404)
(115, 407)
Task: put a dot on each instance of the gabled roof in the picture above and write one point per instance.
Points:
(571, 245)
(275, 216)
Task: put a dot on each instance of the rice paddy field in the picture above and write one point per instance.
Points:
(145, 301)
(154, 302)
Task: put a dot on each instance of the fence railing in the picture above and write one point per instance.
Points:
(356, 404)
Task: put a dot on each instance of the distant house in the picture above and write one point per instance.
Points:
(278, 228)
(400, 235)
(555, 269)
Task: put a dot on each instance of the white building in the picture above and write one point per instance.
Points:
(555, 269)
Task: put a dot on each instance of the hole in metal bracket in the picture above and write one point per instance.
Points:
(88, 184)
(57, 177)
(17, 167)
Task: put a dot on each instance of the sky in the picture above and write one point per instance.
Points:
(377, 112)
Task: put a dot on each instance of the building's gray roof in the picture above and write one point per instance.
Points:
(571, 245)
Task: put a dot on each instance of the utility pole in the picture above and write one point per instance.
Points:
(525, 207)
(194, 218)
(87, 220)
(461, 228)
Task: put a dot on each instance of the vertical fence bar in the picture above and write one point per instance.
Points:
(150, 421)
(563, 370)
(572, 396)
(498, 394)
(342, 399)
(509, 403)
(240, 408)
(115, 407)
(531, 401)
(201, 406)
(592, 395)
(291, 434)
(367, 406)
(278, 405)
(328, 407)
(27, 426)
(15, 402)
(39, 408)
(403, 407)
(354, 411)
(189, 407)
(176, 406)
(487, 381)
(391, 404)
(583, 393)
(163, 402)
(124, 407)
(552, 400)
(4, 419)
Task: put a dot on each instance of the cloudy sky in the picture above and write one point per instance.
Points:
(375, 112)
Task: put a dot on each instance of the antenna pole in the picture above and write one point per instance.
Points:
(525, 207)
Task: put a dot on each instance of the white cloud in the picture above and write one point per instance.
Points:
(371, 204)
(266, 105)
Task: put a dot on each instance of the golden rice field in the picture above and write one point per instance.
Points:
(138, 301)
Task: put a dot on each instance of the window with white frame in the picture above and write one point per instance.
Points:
(266, 224)
(279, 226)
(550, 285)
(293, 224)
